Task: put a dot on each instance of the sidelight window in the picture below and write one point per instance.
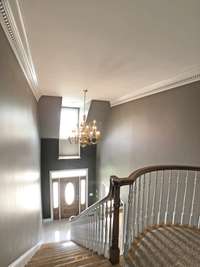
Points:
(82, 191)
(55, 195)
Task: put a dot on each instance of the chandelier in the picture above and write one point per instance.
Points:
(87, 134)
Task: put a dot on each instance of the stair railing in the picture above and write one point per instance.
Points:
(94, 227)
(157, 195)
(161, 195)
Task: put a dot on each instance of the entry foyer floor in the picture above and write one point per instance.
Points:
(55, 231)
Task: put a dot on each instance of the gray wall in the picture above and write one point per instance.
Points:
(160, 129)
(19, 160)
(99, 111)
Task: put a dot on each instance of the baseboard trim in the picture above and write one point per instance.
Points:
(24, 258)
(47, 220)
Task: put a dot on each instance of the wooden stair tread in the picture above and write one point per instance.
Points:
(66, 254)
(59, 260)
(62, 255)
(80, 262)
(97, 264)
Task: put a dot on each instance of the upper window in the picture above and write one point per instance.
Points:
(69, 121)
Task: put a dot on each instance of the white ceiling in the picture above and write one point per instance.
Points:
(116, 48)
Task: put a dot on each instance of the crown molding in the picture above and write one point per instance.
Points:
(16, 35)
(189, 76)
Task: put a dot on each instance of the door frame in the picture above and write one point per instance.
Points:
(58, 178)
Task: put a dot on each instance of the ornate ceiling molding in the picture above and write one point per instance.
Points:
(189, 76)
(15, 31)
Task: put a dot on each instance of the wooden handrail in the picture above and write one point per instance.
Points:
(134, 175)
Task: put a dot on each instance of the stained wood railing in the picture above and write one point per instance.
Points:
(157, 195)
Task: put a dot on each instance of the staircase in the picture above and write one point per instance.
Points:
(64, 254)
(167, 196)
(161, 226)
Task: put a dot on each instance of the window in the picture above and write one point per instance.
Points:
(69, 123)
(55, 195)
(69, 193)
(82, 191)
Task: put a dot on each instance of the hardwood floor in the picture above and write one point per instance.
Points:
(64, 254)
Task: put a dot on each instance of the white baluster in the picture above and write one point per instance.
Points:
(96, 229)
(135, 209)
(91, 222)
(176, 197)
(147, 200)
(124, 228)
(142, 201)
(139, 207)
(99, 229)
(184, 197)
(93, 229)
(129, 213)
(106, 229)
(193, 199)
(168, 196)
(160, 199)
(130, 223)
(102, 227)
(154, 198)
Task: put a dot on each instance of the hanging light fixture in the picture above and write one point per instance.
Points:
(88, 134)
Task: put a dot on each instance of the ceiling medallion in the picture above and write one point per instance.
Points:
(87, 133)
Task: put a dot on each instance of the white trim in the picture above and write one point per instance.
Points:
(51, 189)
(18, 41)
(59, 174)
(189, 76)
(47, 220)
(69, 157)
(23, 259)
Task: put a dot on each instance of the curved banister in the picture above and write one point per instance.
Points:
(132, 178)
(100, 222)
(134, 175)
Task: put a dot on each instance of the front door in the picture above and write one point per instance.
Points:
(69, 197)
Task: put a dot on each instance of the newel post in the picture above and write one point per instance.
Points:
(114, 250)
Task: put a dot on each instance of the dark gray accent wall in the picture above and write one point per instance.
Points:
(163, 128)
(20, 200)
(49, 116)
(99, 111)
(50, 162)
